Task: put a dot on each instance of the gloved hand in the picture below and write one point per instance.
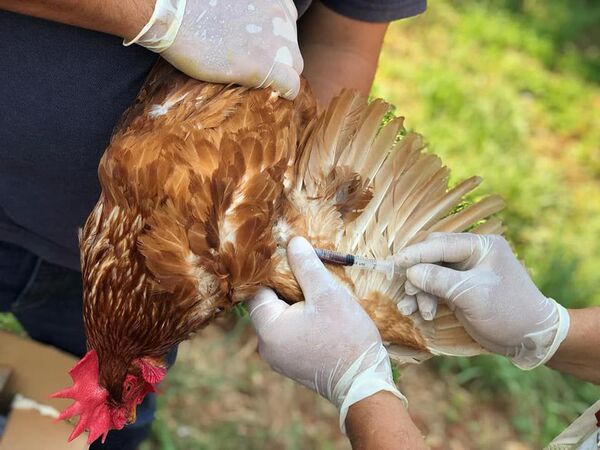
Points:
(250, 42)
(489, 291)
(327, 343)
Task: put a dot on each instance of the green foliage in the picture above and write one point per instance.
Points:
(9, 323)
(541, 403)
(217, 397)
(507, 90)
(485, 84)
(395, 372)
(240, 310)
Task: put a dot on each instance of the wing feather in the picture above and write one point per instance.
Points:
(410, 198)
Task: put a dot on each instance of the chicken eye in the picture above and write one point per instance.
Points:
(128, 388)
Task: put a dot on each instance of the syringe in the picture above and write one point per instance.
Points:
(385, 266)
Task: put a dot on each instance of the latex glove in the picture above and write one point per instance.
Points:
(490, 292)
(328, 343)
(250, 42)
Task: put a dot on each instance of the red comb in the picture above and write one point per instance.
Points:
(90, 401)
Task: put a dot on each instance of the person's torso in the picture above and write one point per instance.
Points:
(62, 89)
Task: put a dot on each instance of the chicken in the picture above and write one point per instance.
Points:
(203, 185)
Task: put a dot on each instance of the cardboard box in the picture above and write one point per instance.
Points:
(29, 373)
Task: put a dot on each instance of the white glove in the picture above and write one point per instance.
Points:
(250, 42)
(489, 291)
(327, 343)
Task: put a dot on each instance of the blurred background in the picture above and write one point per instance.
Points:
(505, 89)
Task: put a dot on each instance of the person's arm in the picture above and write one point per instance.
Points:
(122, 18)
(338, 51)
(249, 42)
(329, 344)
(493, 296)
(382, 422)
(579, 354)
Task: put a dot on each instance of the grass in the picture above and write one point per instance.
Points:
(506, 90)
(9, 323)
(220, 395)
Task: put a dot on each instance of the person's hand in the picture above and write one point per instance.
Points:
(328, 343)
(250, 42)
(489, 291)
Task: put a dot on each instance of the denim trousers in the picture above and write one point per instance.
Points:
(47, 301)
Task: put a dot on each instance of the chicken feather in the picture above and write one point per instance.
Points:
(203, 185)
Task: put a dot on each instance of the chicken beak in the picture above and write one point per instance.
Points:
(131, 416)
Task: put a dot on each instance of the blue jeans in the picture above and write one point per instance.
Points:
(47, 301)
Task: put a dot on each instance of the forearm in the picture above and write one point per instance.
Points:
(338, 52)
(579, 354)
(122, 18)
(382, 422)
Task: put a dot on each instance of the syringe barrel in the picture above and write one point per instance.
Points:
(385, 266)
(333, 257)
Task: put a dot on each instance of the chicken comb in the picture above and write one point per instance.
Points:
(90, 401)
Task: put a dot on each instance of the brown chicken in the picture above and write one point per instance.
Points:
(203, 185)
